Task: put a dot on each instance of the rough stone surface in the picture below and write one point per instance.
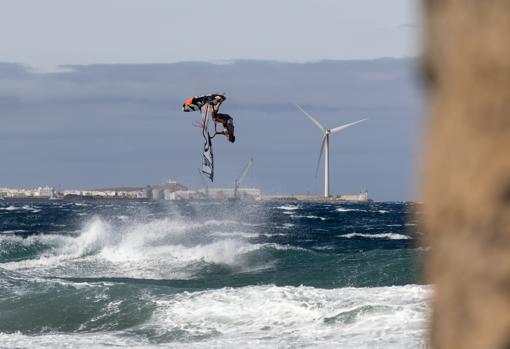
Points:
(467, 171)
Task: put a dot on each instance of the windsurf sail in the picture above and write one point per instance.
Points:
(198, 102)
(207, 155)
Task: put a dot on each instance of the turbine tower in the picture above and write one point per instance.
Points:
(325, 145)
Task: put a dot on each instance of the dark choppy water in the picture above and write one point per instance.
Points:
(210, 274)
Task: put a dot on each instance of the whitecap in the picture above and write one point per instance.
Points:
(388, 236)
(15, 231)
(342, 209)
(288, 207)
(286, 226)
(309, 217)
(9, 208)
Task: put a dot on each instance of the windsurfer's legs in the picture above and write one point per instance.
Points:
(230, 130)
(228, 125)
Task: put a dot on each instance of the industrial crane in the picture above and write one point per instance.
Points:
(206, 187)
(238, 181)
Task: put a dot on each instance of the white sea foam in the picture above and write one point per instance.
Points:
(215, 222)
(265, 317)
(158, 249)
(268, 235)
(12, 231)
(273, 316)
(309, 217)
(232, 234)
(288, 207)
(286, 226)
(324, 248)
(9, 208)
(251, 224)
(20, 208)
(31, 239)
(389, 236)
(18, 340)
(283, 247)
(342, 209)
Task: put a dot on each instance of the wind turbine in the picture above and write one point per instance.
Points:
(325, 145)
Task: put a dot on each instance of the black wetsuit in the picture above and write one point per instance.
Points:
(228, 124)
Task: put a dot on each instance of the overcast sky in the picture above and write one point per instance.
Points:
(113, 117)
(49, 33)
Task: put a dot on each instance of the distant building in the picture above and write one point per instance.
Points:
(147, 193)
(229, 193)
(183, 195)
(157, 193)
(41, 192)
(363, 196)
(44, 192)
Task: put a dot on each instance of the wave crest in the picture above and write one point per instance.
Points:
(159, 249)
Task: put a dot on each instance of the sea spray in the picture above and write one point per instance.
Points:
(218, 274)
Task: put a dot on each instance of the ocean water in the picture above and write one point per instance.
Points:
(211, 275)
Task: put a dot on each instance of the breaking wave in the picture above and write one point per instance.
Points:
(159, 249)
(209, 275)
(266, 316)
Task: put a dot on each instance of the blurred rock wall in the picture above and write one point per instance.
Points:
(466, 181)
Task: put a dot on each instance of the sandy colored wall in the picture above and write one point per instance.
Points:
(467, 171)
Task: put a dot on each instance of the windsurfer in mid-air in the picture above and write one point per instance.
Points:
(209, 105)
(213, 102)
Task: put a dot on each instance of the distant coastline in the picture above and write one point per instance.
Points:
(170, 191)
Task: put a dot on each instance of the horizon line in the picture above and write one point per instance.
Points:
(70, 67)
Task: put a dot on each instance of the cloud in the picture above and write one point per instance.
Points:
(78, 126)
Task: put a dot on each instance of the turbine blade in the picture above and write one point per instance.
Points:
(312, 119)
(320, 156)
(343, 127)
